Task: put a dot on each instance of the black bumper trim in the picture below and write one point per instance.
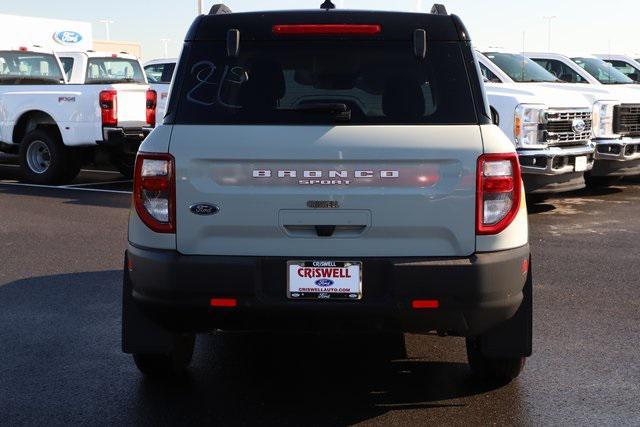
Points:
(475, 293)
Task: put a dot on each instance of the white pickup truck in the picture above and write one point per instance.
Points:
(159, 74)
(55, 127)
(626, 65)
(550, 128)
(616, 105)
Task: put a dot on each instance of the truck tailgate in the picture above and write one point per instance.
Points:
(132, 105)
(345, 191)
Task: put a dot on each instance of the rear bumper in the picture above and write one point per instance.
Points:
(475, 293)
(617, 157)
(127, 136)
(552, 170)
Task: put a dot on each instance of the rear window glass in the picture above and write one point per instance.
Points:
(160, 73)
(325, 82)
(114, 70)
(28, 68)
(67, 65)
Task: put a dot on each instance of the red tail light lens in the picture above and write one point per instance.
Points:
(327, 30)
(223, 302)
(154, 191)
(152, 103)
(498, 192)
(109, 107)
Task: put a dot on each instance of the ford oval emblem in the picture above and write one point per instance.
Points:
(67, 37)
(324, 283)
(204, 209)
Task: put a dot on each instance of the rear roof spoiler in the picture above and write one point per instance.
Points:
(439, 9)
(219, 9)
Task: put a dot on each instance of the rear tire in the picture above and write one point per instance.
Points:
(45, 160)
(498, 371)
(125, 165)
(169, 365)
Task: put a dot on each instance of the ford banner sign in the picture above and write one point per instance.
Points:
(67, 37)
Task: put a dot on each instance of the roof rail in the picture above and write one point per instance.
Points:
(439, 9)
(219, 9)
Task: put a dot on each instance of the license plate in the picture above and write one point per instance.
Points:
(581, 164)
(328, 280)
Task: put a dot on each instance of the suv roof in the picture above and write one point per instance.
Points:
(259, 25)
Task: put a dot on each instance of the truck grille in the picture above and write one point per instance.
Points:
(626, 119)
(560, 127)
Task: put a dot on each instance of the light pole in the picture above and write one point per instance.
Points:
(549, 20)
(106, 23)
(166, 47)
(200, 7)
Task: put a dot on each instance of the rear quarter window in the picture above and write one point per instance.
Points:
(282, 82)
(29, 68)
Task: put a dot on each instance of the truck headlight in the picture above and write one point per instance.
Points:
(603, 119)
(528, 126)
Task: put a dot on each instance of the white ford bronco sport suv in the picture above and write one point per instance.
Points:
(328, 170)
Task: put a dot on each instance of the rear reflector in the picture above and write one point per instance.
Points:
(224, 302)
(328, 29)
(421, 304)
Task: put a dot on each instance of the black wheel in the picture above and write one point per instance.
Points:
(45, 160)
(168, 365)
(125, 165)
(499, 371)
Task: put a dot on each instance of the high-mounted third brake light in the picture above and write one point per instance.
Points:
(327, 29)
(154, 191)
(498, 192)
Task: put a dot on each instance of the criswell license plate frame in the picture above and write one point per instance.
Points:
(333, 296)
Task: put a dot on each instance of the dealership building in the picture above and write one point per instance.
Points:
(58, 35)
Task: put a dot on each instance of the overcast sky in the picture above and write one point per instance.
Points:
(580, 26)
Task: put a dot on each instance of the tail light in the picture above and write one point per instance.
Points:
(109, 107)
(498, 192)
(154, 191)
(152, 103)
(327, 29)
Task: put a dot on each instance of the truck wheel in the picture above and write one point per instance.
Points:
(500, 371)
(126, 166)
(168, 365)
(45, 160)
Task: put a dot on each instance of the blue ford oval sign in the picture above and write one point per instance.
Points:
(67, 37)
(324, 283)
(204, 209)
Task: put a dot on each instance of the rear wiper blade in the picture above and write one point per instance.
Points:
(339, 110)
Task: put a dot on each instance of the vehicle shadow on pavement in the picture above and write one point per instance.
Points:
(61, 363)
(73, 197)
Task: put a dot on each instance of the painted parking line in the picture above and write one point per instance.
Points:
(7, 165)
(62, 187)
(128, 181)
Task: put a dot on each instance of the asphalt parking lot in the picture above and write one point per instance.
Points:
(60, 359)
